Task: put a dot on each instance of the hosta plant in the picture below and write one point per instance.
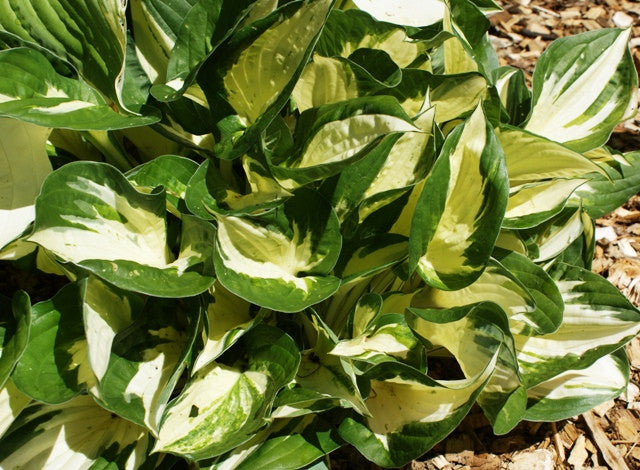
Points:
(289, 226)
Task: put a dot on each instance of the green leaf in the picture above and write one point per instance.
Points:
(514, 94)
(118, 233)
(155, 25)
(54, 366)
(258, 54)
(458, 215)
(456, 95)
(598, 320)
(582, 87)
(14, 332)
(285, 444)
(272, 62)
(390, 336)
(78, 431)
(209, 192)
(23, 167)
(361, 259)
(575, 391)
(281, 262)
(221, 407)
(554, 236)
(31, 90)
(107, 311)
(296, 445)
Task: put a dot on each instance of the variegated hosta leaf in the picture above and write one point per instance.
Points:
(410, 412)
(404, 12)
(54, 366)
(285, 444)
(137, 369)
(362, 319)
(12, 402)
(533, 158)
(598, 320)
(576, 391)
(390, 336)
(294, 401)
(348, 31)
(456, 95)
(281, 262)
(384, 175)
(496, 284)
(207, 24)
(75, 434)
(155, 24)
(458, 215)
(514, 94)
(32, 90)
(107, 311)
(118, 233)
(332, 136)
(582, 87)
(330, 376)
(512, 241)
(15, 325)
(209, 192)
(474, 336)
(325, 80)
(23, 167)
(222, 407)
(362, 259)
(259, 54)
(91, 35)
(171, 172)
(456, 57)
(547, 316)
(227, 318)
(531, 204)
(603, 194)
(272, 62)
(554, 236)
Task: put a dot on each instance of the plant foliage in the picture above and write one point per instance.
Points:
(282, 222)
